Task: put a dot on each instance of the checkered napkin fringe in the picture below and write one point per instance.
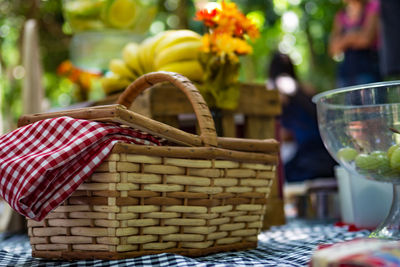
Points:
(42, 164)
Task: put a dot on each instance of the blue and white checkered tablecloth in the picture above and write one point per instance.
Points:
(288, 245)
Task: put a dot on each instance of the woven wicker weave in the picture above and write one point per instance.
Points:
(206, 197)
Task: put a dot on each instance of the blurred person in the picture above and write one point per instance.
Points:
(390, 52)
(355, 36)
(299, 118)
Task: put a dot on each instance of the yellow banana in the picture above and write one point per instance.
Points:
(174, 37)
(130, 56)
(114, 83)
(178, 52)
(146, 51)
(189, 68)
(161, 49)
(119, 67)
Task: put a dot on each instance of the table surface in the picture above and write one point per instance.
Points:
(288, 245)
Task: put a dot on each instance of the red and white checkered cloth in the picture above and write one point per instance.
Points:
(43, 163)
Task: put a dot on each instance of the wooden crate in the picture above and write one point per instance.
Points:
(258, 106)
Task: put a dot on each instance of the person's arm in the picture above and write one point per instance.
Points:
(366, 36)
(336, 44)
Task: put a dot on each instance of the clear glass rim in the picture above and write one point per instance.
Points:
(322, 95)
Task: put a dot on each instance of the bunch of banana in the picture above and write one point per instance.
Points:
(173, 50)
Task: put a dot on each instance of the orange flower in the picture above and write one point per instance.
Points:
(64, 67)
(228, 30)
(242, 47)
(80, 77)
(208, 17)
(250, 28)
(206, 47)
(225, 44)
(230, 10)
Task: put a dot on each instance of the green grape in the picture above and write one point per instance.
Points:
(383, 162)
(392, 149)
(395, 159)
(366, 162)
(347, 153)
(377, 153)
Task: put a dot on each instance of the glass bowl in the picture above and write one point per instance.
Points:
(97, 15)
(360, 127)
(102, 28)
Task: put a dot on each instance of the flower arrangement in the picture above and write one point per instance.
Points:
(228, 36)
(82, 79)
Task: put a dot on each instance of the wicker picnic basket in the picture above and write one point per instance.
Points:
(200, 194)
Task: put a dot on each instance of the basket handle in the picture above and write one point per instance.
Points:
(208, 134)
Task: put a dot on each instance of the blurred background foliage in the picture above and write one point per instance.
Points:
(298, 27)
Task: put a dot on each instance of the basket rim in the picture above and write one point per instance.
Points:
(198, 153)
